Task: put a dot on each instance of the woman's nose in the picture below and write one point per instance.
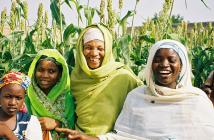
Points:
(165, 63)
(45, 74)
(94, 52)
(13, 101)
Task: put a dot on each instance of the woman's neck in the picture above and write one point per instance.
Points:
(8, 120)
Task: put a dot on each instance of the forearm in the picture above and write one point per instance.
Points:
(10, 136)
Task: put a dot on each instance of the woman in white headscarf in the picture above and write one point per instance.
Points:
(169, 107)
(163, 111)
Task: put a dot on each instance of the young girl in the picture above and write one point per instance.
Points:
(14, 124)
(49, 97)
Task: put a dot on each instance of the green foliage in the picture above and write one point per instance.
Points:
(203, 63)
(20, 45)
(56, 14)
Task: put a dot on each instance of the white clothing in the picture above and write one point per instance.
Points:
(184, 113)
(140, 119)
(93, 34)
(33, 131)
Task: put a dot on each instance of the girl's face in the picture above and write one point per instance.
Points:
(47, 75)
(11, 99)
(94, 52)
(166, 67)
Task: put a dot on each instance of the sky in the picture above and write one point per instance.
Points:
(194, 12)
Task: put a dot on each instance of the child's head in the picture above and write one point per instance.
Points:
(13, 86)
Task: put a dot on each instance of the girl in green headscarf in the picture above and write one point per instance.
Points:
(49, 95)
(98, 83)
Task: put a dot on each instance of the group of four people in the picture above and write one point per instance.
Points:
(91, 100)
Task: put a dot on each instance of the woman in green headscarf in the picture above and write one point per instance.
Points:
(98, 83)
(49, 95)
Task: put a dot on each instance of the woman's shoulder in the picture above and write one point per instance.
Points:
(125, 73)
(136, 93)
(26, 117)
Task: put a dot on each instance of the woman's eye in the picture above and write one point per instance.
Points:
(156, 60)
(100, 49)
(51, 71)
(87, 47)
(8, 97)
(19, 98)
(172, 60)
(40, 70)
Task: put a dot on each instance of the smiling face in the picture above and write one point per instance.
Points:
(47, 75)
(94, 52)
(11, 99)
(166, 67)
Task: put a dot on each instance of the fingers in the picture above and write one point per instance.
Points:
(73, 137)
(67, 131)
(41, 120)
(71, 134)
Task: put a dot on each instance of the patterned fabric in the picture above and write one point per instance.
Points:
(15, 78)
(56, 108)
(21, 126)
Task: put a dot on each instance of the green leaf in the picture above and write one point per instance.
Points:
(147, 38)
(56, 13)
(30, 47)
(78, 9)
(128, 14)
(68, 3)
(70, 30)
(204, 3)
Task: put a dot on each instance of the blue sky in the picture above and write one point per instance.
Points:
(195, 11)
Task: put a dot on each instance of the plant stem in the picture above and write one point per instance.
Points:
(132, 27)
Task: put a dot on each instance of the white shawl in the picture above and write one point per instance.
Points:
(184, 87)
(183, 113)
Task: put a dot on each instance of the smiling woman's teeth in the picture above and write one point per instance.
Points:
(164, 72)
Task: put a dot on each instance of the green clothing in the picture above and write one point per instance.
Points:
(100, 93)
(58, 104)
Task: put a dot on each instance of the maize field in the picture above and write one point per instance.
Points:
(21, 44)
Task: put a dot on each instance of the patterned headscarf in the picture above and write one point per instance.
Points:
(15, 78)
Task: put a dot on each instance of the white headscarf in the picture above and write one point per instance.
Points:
(184, 86)
(93, 34)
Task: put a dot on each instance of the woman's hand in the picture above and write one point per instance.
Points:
(6, 132)
(48, 123)
(74, 134)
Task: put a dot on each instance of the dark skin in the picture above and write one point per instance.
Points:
(208, 86)
(6, 132)
(47, 74)
(166, 67)
(94, 52)
(74, 134)
(11, 100)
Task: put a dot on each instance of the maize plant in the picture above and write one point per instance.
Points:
(19, 46)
